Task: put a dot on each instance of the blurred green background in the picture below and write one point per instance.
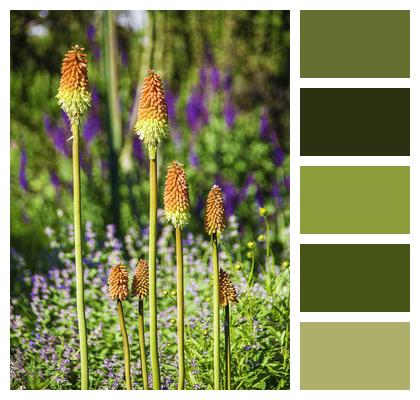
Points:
(226, 76)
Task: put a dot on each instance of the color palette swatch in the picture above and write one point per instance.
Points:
(363, 276)
(355, 122)
(355, 44)
(355, 199)
(355, 355)
(355, 277)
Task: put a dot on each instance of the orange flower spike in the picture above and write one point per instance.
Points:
(118, 283)
(176, 197)
(73, 94)
(214, 219)
(140, 284)
(152, 120)
(227, 292)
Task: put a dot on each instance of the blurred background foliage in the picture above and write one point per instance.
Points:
(226, 76)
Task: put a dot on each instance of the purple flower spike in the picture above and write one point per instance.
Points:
(23, 182)
(171, 101)
(137, 150)
(55, 180)
(197, 113)
(229, 113)
(227, 83)
(215, 78)
(264, 126)
(91, 32)
(91, 127)
(278, 156)
(194, 160)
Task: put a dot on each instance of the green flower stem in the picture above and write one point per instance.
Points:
(267, 246)
(80, 300)
(143, 360)
(216, 320)
(251, 272)
(180, 308)
(227, 347)
(125, 344)
(152, 274)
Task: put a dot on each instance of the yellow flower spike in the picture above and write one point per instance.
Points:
(118, 283)
(140, 284)
(215, 220)
(152, 120)
(227, 292)
(176, 197)
(73, 94)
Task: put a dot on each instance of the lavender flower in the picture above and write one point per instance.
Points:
(197, 113)
(264, 125)
(215, 78)
(229, 113)
(23, 182)
(58, 135)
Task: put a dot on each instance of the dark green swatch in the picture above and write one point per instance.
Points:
(355, 200)
(354, 277)
(355, 355)
(355, 44)
(355, 122)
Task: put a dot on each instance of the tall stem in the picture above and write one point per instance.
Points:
(216, 320)
(125, 344)
(152, 274)
(180, 308)
(80, 299)
(114, 114)
(227, 347)
(143, 360)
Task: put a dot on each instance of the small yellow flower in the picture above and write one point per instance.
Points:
(249, 254)
(238, 266)
(262, 211)
(250, 245)
(285, 264)
(173, 292)
(261, 238)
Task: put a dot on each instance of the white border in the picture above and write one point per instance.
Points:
(296, 161)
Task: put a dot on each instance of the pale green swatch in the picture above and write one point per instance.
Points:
(355, 355)
(355, 200)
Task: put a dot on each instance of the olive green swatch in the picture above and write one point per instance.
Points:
(355, 122)
(355, 44)
(355, 278)
(355, 199)
(355, 355)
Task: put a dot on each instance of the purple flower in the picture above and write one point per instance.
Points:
(278, 156)
(259, 197)
(215, 78)
(275, 193)
(227, 83)
(230, 195)
(264, 125)
(229, 113)
(55, 180)
(137, 149)
(287, 183)
(124, 58)
(243, 193)
(171, 100)
(23, 182)
(91, 32)
(193, 157)
(197, 113)
(202, 74)
(91, 127)
(58, 136)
